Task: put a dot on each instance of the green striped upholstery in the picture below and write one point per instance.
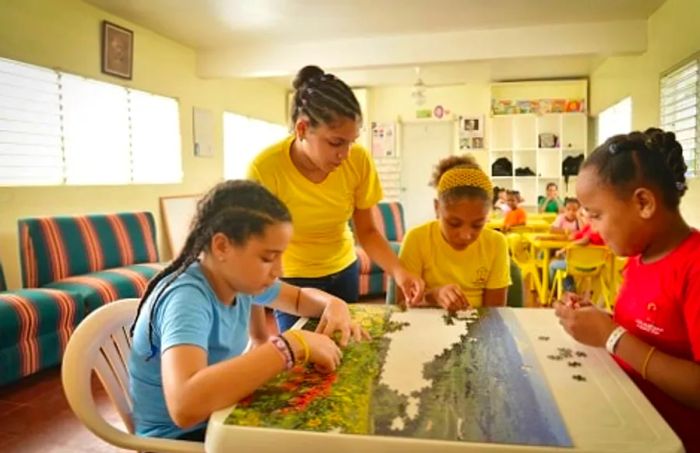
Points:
(55, 248)
(99, 288)
(388, 218)
(3, 283)
(35, 325)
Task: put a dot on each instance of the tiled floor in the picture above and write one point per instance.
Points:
(35, 417)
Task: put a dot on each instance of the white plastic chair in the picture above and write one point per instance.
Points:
(102, 343)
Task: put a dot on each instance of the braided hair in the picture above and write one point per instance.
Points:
(323, 98)
(653, 157)
(238, 209)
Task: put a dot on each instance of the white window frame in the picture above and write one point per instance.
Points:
(615, 120)
(679, 108)
(27, 95)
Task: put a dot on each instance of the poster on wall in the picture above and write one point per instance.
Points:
(471, 132)
(383, 139)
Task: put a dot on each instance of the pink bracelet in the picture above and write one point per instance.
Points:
(281, 347)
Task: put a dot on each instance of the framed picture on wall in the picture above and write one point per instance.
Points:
(117, 50)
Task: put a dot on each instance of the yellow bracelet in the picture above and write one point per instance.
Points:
(646, 362)
(296, 334)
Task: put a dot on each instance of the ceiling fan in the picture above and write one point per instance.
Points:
(419, 89)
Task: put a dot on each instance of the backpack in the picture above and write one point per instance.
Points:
(570, 166)
(502, 167)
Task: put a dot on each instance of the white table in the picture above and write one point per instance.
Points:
(604, 413)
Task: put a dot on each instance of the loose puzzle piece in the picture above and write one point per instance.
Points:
(578, 377)
(574, 363)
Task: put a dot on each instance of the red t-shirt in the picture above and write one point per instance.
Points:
(660, 304)
(593, 236)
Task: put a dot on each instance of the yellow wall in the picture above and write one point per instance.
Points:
(391, 103)
(673, 36)
(65, 34)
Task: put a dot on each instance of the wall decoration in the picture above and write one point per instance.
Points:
(439, 111)
(203, 132)
(471, 132)
(424, 113)
(117, 50)
(383, 139)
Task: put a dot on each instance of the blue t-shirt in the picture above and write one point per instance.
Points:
(188, 312)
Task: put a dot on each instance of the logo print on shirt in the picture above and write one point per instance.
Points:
(649, 324)
(482, 274)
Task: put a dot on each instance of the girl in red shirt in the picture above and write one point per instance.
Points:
(631, 187)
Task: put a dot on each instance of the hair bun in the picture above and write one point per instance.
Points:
(305, 74)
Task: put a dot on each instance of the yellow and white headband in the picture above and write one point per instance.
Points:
(464, 177)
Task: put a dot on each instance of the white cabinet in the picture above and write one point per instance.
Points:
(523, 131)
(536, 145)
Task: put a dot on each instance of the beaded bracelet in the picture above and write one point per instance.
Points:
(284, 350)
(289, 347)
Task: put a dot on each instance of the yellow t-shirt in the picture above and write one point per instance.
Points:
(482, 265)
(322, 242)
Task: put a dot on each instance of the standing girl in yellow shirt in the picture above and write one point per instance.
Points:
(326, 179)
(463, 264)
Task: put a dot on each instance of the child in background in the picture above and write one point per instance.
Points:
(473, 268)
(516, 215)
(568, 221)
(551, 202)
(191, 328)
(500, 200)
(631, 187)
(586, 236)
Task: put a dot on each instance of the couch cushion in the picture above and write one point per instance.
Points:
(99, 288)
(388, 217)
(34, 329)
(54, 248)
(367, 266)
(3, 284)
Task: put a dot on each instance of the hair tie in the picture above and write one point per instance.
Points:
(464, 177)
(613, 148)
(681, 186)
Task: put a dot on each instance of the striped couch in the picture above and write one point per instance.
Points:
(70, 266)
(102, 258)
(389, 219)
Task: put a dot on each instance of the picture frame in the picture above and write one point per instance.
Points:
(117, 50)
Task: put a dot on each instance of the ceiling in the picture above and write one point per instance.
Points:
(379, 42)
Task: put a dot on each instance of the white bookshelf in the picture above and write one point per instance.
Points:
(517, 137)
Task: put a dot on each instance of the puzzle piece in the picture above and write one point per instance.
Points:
(581, 354)
(565, 352)
(543, 338)
(554, 357)
(579, 377)
(574, 363)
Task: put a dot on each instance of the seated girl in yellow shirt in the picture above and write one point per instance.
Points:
(463, 264)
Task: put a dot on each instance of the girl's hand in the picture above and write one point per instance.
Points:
(336, 318)
(587, 324)
(411, 286)
(451, 298)
(560, 253)
(323, 352)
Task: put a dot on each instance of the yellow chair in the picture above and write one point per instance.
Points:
(521, 255)
(616, 275)
(587, 265)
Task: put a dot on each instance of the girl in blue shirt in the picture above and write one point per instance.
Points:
(188, 355)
